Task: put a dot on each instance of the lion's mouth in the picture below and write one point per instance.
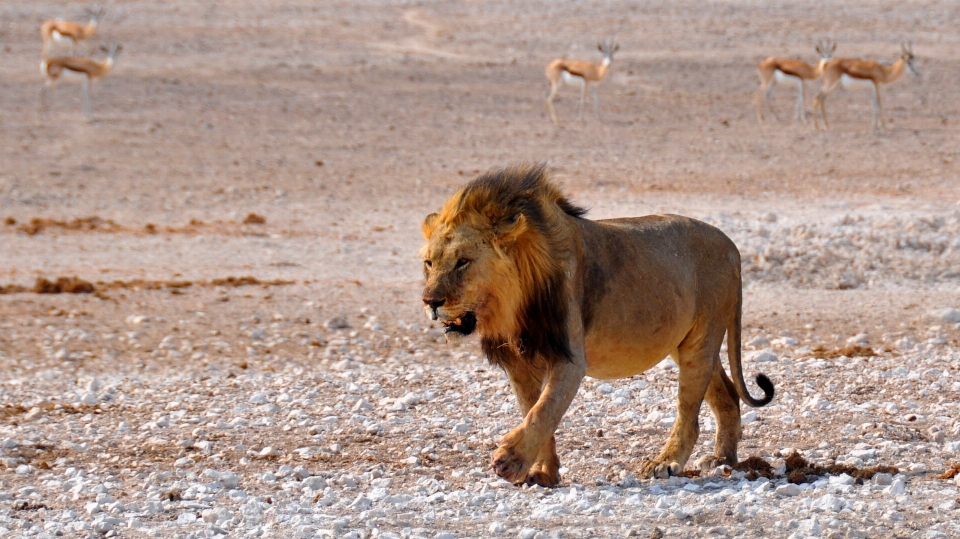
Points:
(465, 325)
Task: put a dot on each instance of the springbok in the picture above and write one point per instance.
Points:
(775, 71)
(82, 70)
(853, 73)
(578, 72)
(59, 30)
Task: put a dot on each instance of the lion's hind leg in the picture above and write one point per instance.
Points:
(725, 405)
(696, 372)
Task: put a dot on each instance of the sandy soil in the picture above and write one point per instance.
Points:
(343, 123)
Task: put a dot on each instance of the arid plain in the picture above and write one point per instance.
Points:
(247, 206)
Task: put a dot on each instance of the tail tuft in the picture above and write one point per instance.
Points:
(767, 386)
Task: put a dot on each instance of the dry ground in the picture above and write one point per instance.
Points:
(344, 123)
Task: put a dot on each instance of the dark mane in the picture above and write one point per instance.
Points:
(528, 190)
(520, 187)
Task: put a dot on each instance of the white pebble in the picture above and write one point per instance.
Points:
(788, 490)
(528, 533)
(897, 487)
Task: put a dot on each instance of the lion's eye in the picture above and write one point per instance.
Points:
(428, 263)
(462, 263)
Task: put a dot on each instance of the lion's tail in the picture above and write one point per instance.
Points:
(734, 354)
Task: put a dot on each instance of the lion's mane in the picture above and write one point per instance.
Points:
(535, 286)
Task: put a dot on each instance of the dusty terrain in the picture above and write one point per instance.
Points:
(209, 384)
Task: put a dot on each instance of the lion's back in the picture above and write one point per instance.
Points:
(661, 258)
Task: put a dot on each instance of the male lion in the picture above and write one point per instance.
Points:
(556, 297)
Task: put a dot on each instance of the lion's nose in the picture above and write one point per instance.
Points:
(434, 303)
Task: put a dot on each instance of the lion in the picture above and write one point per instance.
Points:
(556, 297)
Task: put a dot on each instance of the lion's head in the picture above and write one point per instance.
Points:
(493, 260)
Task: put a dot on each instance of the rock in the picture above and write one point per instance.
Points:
(528, 533)
(897, 487)
(842, 479)
(829, 503)
(229, 480)
(337, 322)
(314, 483)
(947, 506)
(882, 479)
(268, 452)
(496, 527)
(788, 490)
(362, 405)
(948, 315)
(763, 356)
(811, 526)
(860, 339)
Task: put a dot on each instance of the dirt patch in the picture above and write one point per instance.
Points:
(63, 285)
(755, 467)
(951, 473)
(248, 281)
(38, 225)
(75, 285)
(847, 351)
(800, 470)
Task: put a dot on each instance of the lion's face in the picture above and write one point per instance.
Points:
(470, 280)
(455, 265)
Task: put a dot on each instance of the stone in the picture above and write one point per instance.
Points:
(337, 322)
(949, 315)
(788, 490)
(882, 479)
(842, 479)
(897, 487)
(315, 483)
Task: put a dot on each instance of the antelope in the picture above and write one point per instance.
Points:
(852, 73)
(79, 69)
(59, 30)
(790, 72)
(577, 72)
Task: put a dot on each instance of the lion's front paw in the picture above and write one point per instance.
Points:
(509, 464)
(544, 477)
(660, 470)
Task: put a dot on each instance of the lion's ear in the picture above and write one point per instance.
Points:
(429, 224)
(510, 229)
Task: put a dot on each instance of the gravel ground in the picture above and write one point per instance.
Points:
(353, 429)
(275, 376)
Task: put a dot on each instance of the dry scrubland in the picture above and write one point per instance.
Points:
(275, 376)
